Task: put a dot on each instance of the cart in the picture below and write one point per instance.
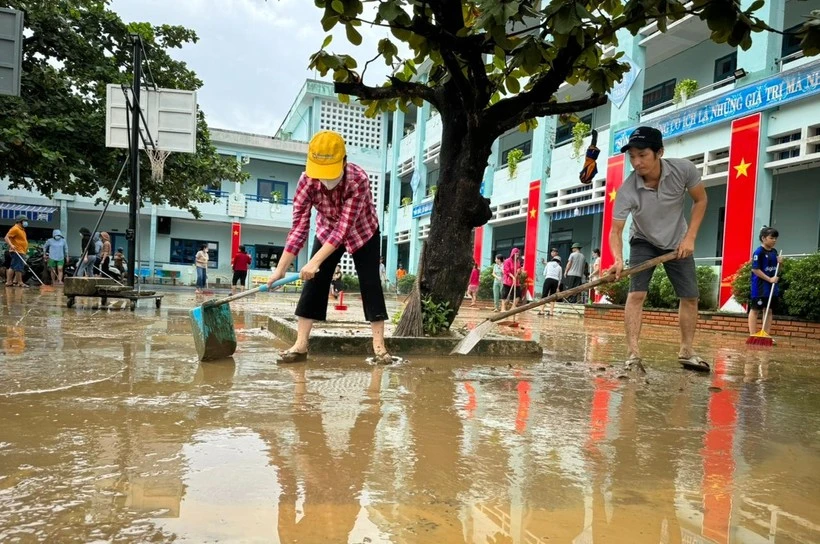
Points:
(104, 289)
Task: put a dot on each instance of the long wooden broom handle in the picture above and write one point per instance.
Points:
(608, 278)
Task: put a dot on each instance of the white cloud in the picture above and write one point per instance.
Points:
(252, 54)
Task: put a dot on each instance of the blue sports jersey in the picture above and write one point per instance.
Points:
(766, 261)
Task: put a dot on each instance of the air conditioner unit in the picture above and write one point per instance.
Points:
(245, 159)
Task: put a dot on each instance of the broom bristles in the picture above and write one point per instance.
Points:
(412, 320)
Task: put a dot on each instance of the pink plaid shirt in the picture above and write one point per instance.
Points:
(346, 215)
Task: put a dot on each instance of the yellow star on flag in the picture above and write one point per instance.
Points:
(533, 213)
(742, 168)
(612, 194)
(236, 232)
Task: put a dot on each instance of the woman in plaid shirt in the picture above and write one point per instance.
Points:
(346, 220)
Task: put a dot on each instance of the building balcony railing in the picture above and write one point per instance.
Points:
(703, 93)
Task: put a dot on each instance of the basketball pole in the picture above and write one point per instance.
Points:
(134, 157)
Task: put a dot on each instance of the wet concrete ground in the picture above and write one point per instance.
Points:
(111, 431)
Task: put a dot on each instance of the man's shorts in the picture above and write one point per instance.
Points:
(681, 272)
(54, 264)
(550, 287)
(759, 303)
(17, 263)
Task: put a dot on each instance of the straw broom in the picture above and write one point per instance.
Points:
(412, 319)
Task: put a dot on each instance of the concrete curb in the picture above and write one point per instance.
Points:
(359, 342)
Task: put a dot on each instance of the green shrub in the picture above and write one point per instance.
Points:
(616, 291)
(661, 293)
(436, 316)
(485, 284)
(351, 283)
(742, 285)
(802, 292)
(405, 285)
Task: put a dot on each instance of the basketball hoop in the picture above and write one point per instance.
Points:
(157, 157)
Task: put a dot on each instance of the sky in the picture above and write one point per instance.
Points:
(252, 55)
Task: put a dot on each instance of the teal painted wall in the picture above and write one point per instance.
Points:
(697, 63)
(796, 211)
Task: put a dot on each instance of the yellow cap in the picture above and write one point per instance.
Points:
(326, 155)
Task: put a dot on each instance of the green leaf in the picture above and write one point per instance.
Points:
(337, 6)
(353, 35)
(513, 85)
(328, 39)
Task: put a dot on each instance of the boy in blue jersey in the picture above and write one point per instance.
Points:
(764, 264)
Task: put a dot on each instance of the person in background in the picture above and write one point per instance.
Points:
(240, 264)
(574, 273)
(336, 285)
(119, 261)
(201, 262)
(498, 281)
(523, 282)
(764, 281)
(105, 254)
(346, 219)
(18, 247)
(85, 266)
(510, 281)
(595, 272)
(400, 273)
(56, 253)
(552, 279)
(383, 274)
(475, 279)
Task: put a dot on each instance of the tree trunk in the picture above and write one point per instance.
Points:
(458, 208)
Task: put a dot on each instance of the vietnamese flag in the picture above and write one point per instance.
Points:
(614, 180)
(741, 192)
(531, 239)
(236, 237)
(478, 244)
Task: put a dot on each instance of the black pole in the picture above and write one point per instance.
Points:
(134, 151)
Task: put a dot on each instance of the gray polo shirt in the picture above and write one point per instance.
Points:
(657, 214)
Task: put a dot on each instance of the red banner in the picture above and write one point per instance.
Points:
(741, 191)
(531, 239)
(236, 237)
(614, 179)
(478, 244)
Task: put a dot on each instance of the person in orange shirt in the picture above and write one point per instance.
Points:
(400, 273)
(18, 245)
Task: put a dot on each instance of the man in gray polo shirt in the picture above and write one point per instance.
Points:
(654, 195)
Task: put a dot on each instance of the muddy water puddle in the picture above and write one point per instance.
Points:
(111, 431)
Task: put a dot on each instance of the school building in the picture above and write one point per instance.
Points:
(771, 86)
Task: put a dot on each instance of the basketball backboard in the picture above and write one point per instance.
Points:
(11, 51)
(169, 113)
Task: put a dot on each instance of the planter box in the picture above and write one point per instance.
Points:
(784, 326)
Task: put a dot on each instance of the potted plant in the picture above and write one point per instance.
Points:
(275, 197)
(431, 191)
(579, 131)
(683, 90)
(406, 201)
(514, 156)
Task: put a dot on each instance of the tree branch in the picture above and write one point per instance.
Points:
(544, 109)
(542, 91)
(396, 89)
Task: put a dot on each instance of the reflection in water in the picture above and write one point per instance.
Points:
(121, 435)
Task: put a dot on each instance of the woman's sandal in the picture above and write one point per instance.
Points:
(695, 363)
(292, 357)
(383, 359)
